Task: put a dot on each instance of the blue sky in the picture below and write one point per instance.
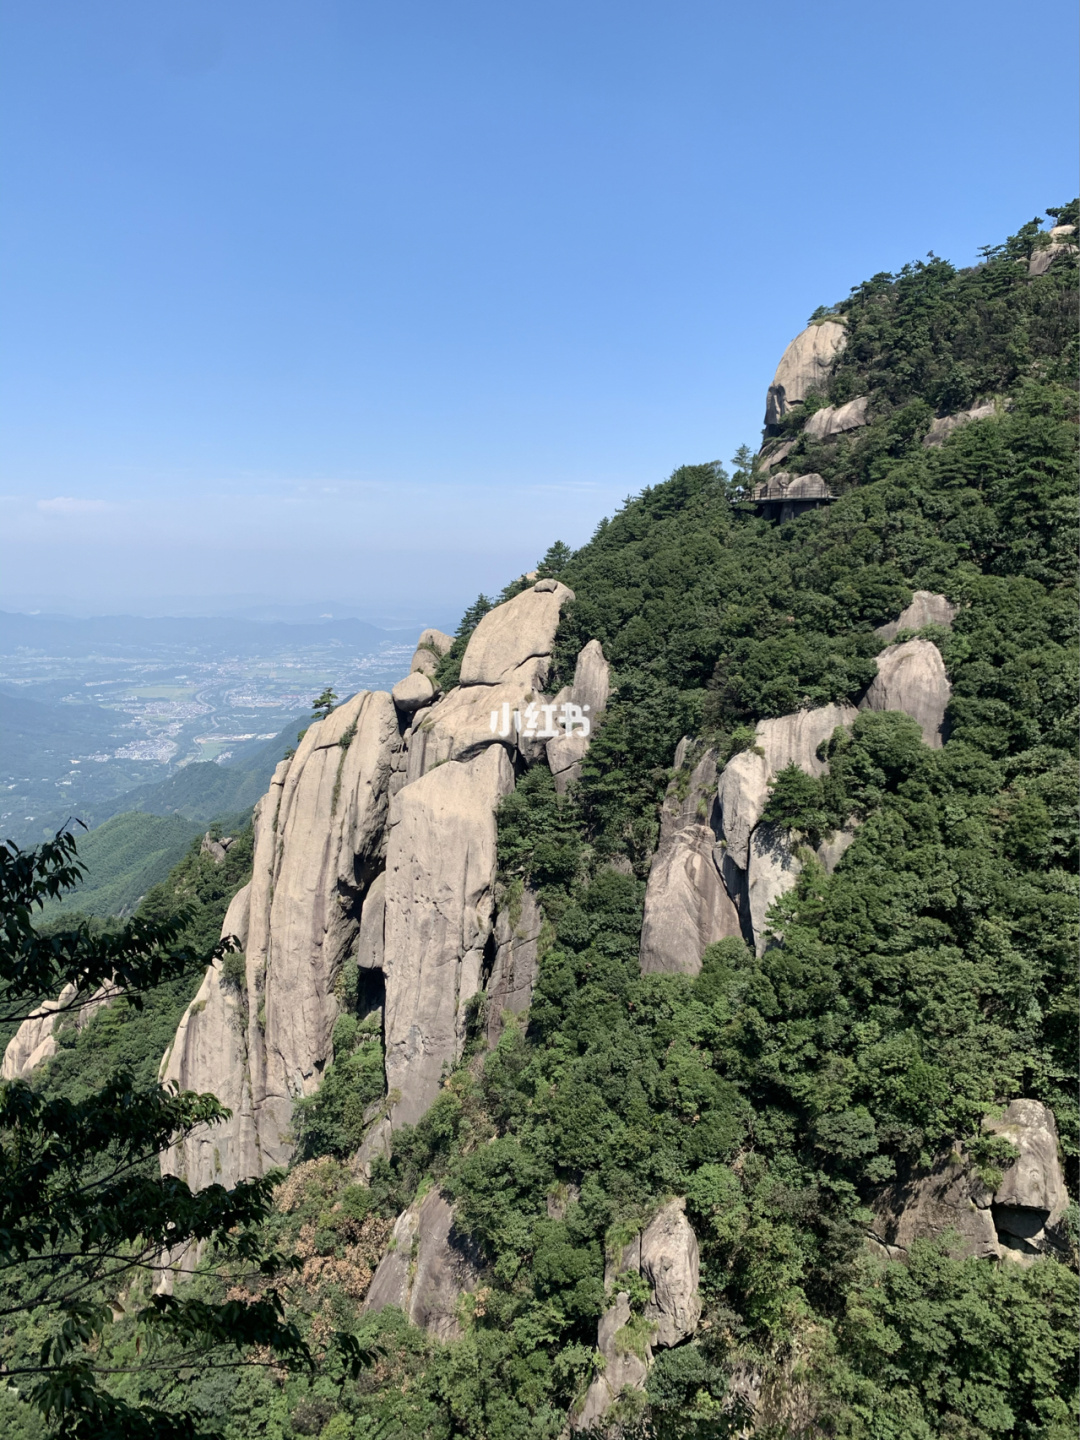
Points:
(363, 302)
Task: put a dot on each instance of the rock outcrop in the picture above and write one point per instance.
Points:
(319, 843)
(911, 677)
(1017, 1220)
(1062, 241)
(804, 367)
(427, 1268)
(430, 649)
(440, 876)
(687, 907)
(944, 425)
(590, 691)
(376, 844)
(926, 608)
(665, 1254)
(837, 419)
(514, 641)
(36, 1041)
(414, 692)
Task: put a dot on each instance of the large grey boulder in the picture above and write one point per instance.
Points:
(835, 420)
(687, 906)
(413, 692)
(515, 640)
(1018, 1220)
(517, 960)
(926, 608)
(440, 876)
(670, 1263)
(911, 677)
(1032, 1199)
(427, 1268)
(804, 366)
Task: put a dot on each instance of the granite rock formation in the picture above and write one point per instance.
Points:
(837, 419)
(804, 366)
(36, 1041)
(665, 1254)
(1020, 1219)
(427, 1268)
(911, 677)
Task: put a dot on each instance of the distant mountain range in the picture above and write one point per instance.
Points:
(61, 634)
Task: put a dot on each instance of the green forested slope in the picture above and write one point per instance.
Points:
(124, 858)
(930, 978)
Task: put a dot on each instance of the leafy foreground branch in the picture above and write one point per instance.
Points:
(87, 1224)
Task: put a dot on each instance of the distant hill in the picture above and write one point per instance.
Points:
(60, 634)
(205, 791)
(123, 859)
(29, 729)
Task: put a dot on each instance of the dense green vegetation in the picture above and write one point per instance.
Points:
(931, 978)
(123, 859)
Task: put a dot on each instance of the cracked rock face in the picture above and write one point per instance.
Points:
(427, 1269)
(803, 367)
(319, 835)
(911, 677)
(517, 962)
(1017, 1221)
(440, 876)
(687, 906)
(665, 1254)
(591, 690)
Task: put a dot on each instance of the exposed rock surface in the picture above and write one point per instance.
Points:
(775, 456)
(515, 640)
(744, 784)
(670, 1263)
(665, 1254)
(687, 907)
(427, 1269)
(591, 690)
(803, 367)
(513, 975)
(216, 849)
(430, 648)
(1018, 1219)
(926, 608)
(773, 870)
(415, 691)
(943, 427)
(911, 677)
(319, 836)
(440, 875)
(35, 1041)
(1062, 242)
(836, 419)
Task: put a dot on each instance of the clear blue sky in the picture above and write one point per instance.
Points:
(349, 301)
